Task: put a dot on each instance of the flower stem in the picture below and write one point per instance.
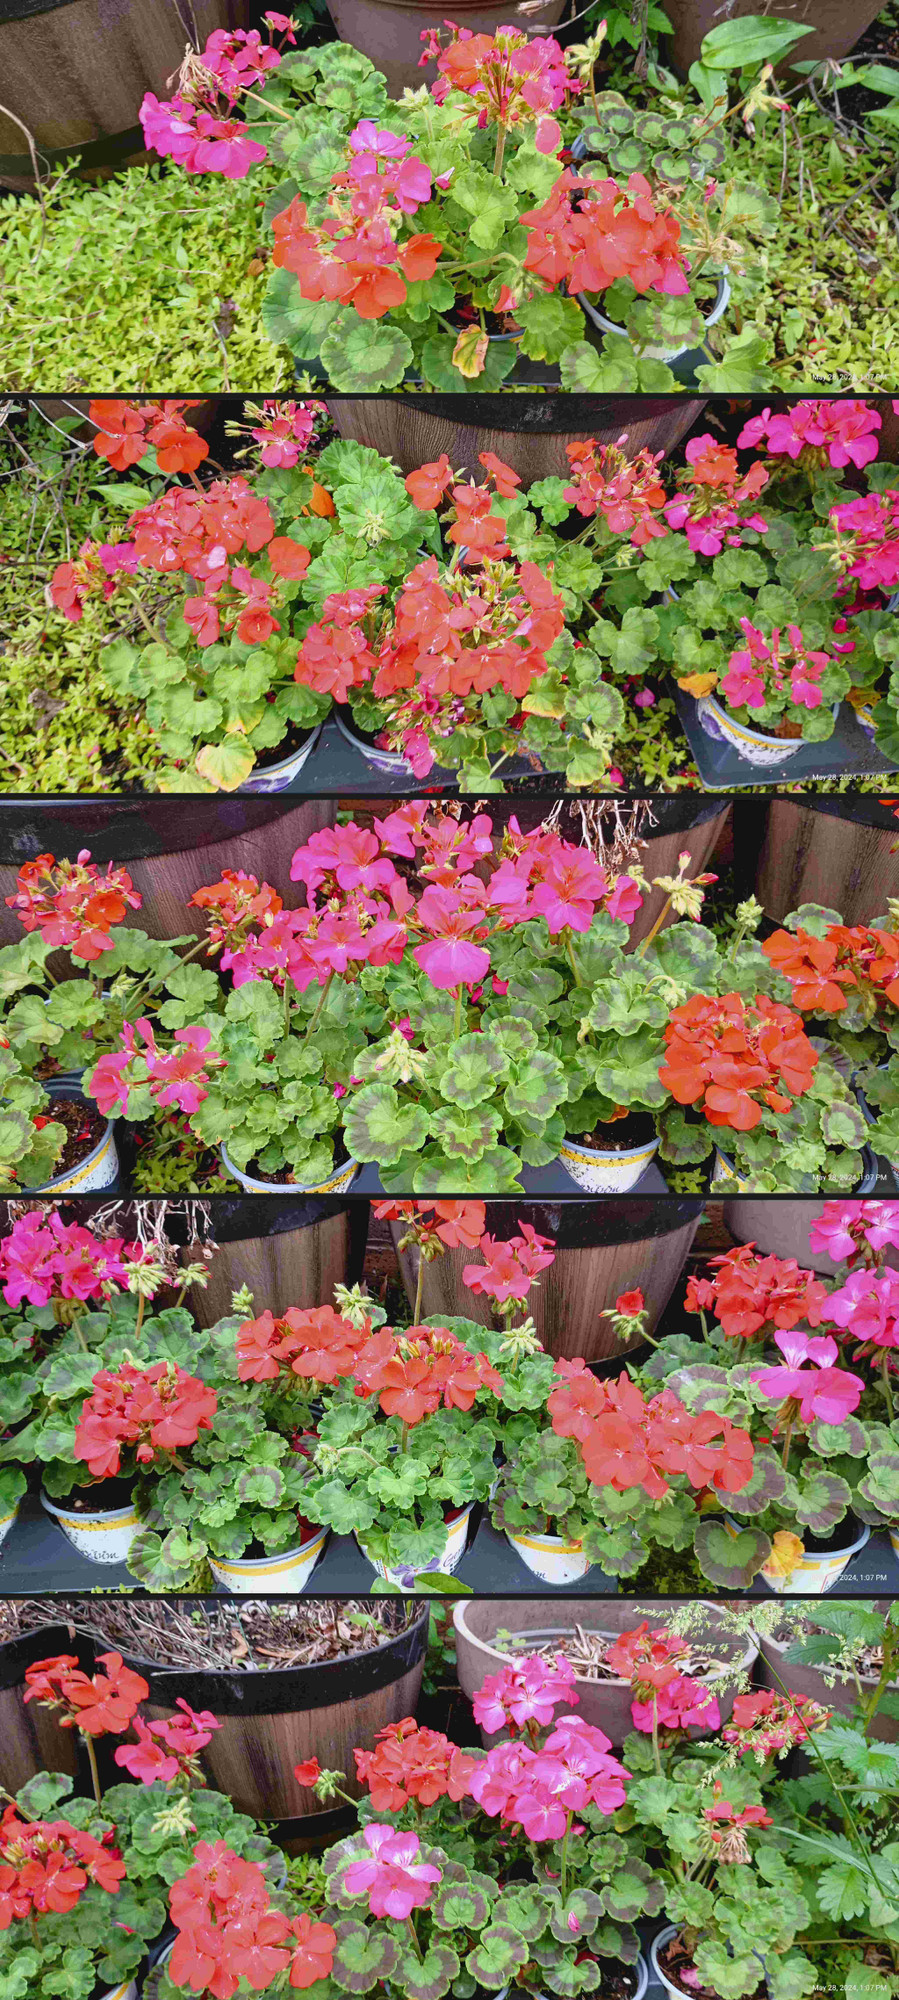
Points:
(500, 149)
(95, 1775)
(418, 1288)
(320, 1008)
(885, 1378)
(457, 1017)
(414, 1936)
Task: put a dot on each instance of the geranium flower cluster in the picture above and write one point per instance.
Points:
(665, 1698)
(95, 573)
(449, 639)
(765, 1724)
(778, 666)
(626, 1441)
(127, 431)
(353, 255)
(736, 1057)
(818, 432)
(178, 1076)
(524, 1695)
(392, 1876)
(237, 903)
(848, 957)
(199, 533)
(285, 432)
(867, 1308)
(728, 1824)
(712, 493)
(511, 1267)
(867, 545)
(169, 1749)
(627, 492)
(750, 1293)
(421, 1370)
(156, 1409)
(44, 1259)
(100, 1704)
(512, 79)
(360, 909)
(588, 233)
(230, 1931)
(809, 1388)
(73, 904)
(191, 128)
(313, 1342)
(412, 1763)
(46, 1865)
(436, 1226)
(856, 1231)
(541, 1789)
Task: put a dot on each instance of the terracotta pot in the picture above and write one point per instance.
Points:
(605, 1705)
(837, 852)
(389, 31)
(170, 846)
(602, 1248)
(273, 1720)
(836, 27)
(75, 72)
(808, 1684)
(414, 430)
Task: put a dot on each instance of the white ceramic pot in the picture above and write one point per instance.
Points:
(755, 747)
(337, 1183)
(606, 1172)
(640, 1972)
(277, 777)
(553, 1560)
(6, 1522)
(99, 1170)
(127, 1991)
(599, 320)
(104, 1536)
(813, 1574)
(289, 1572)
(677, 1992)
(391, 762)
(447, 1562)
(723, 1169)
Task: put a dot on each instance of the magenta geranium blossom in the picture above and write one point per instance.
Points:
(393, 1878)
(824, 1393)
(867, 1306)
(528, 1692)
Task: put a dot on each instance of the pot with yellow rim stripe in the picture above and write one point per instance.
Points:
(551, 1558)
(337, 1182)
(102, 1535)
(286, 1572)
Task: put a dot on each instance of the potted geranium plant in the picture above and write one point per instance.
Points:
(769, 628)
(88, 1346)
(392, 260)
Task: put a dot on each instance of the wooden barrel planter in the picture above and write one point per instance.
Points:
(836, 27)
(808, 1683)
(291, 1251)
(76, 71)
(275, 1719)
(414, 430)
(698, 827)
(838, 852)
(605, 1705)
(602, 1248)
(170, 846)
(389, 31)
(31, 1735)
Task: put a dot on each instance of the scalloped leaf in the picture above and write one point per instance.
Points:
(363, 355)
(730, 1557)
(363, 1958)
(497, 1955)
(458, 1906)
(432, 1976)
(823, 1499)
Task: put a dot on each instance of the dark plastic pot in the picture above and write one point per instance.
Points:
(170, 846)
(602, 1248)
(271, 1721)
(530, 437)
(76, 71)
(389, 31)
(31, 1735)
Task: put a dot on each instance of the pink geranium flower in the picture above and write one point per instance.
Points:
(451, 959)
(393, 1878)
(867, 1306)
(525, 1693)
(824, 1393)
(845, 1226)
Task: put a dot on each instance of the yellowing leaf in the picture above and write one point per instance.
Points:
(470, 351)
(536, 703)
(787, 1552)
(699, 684)
(226, 765)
